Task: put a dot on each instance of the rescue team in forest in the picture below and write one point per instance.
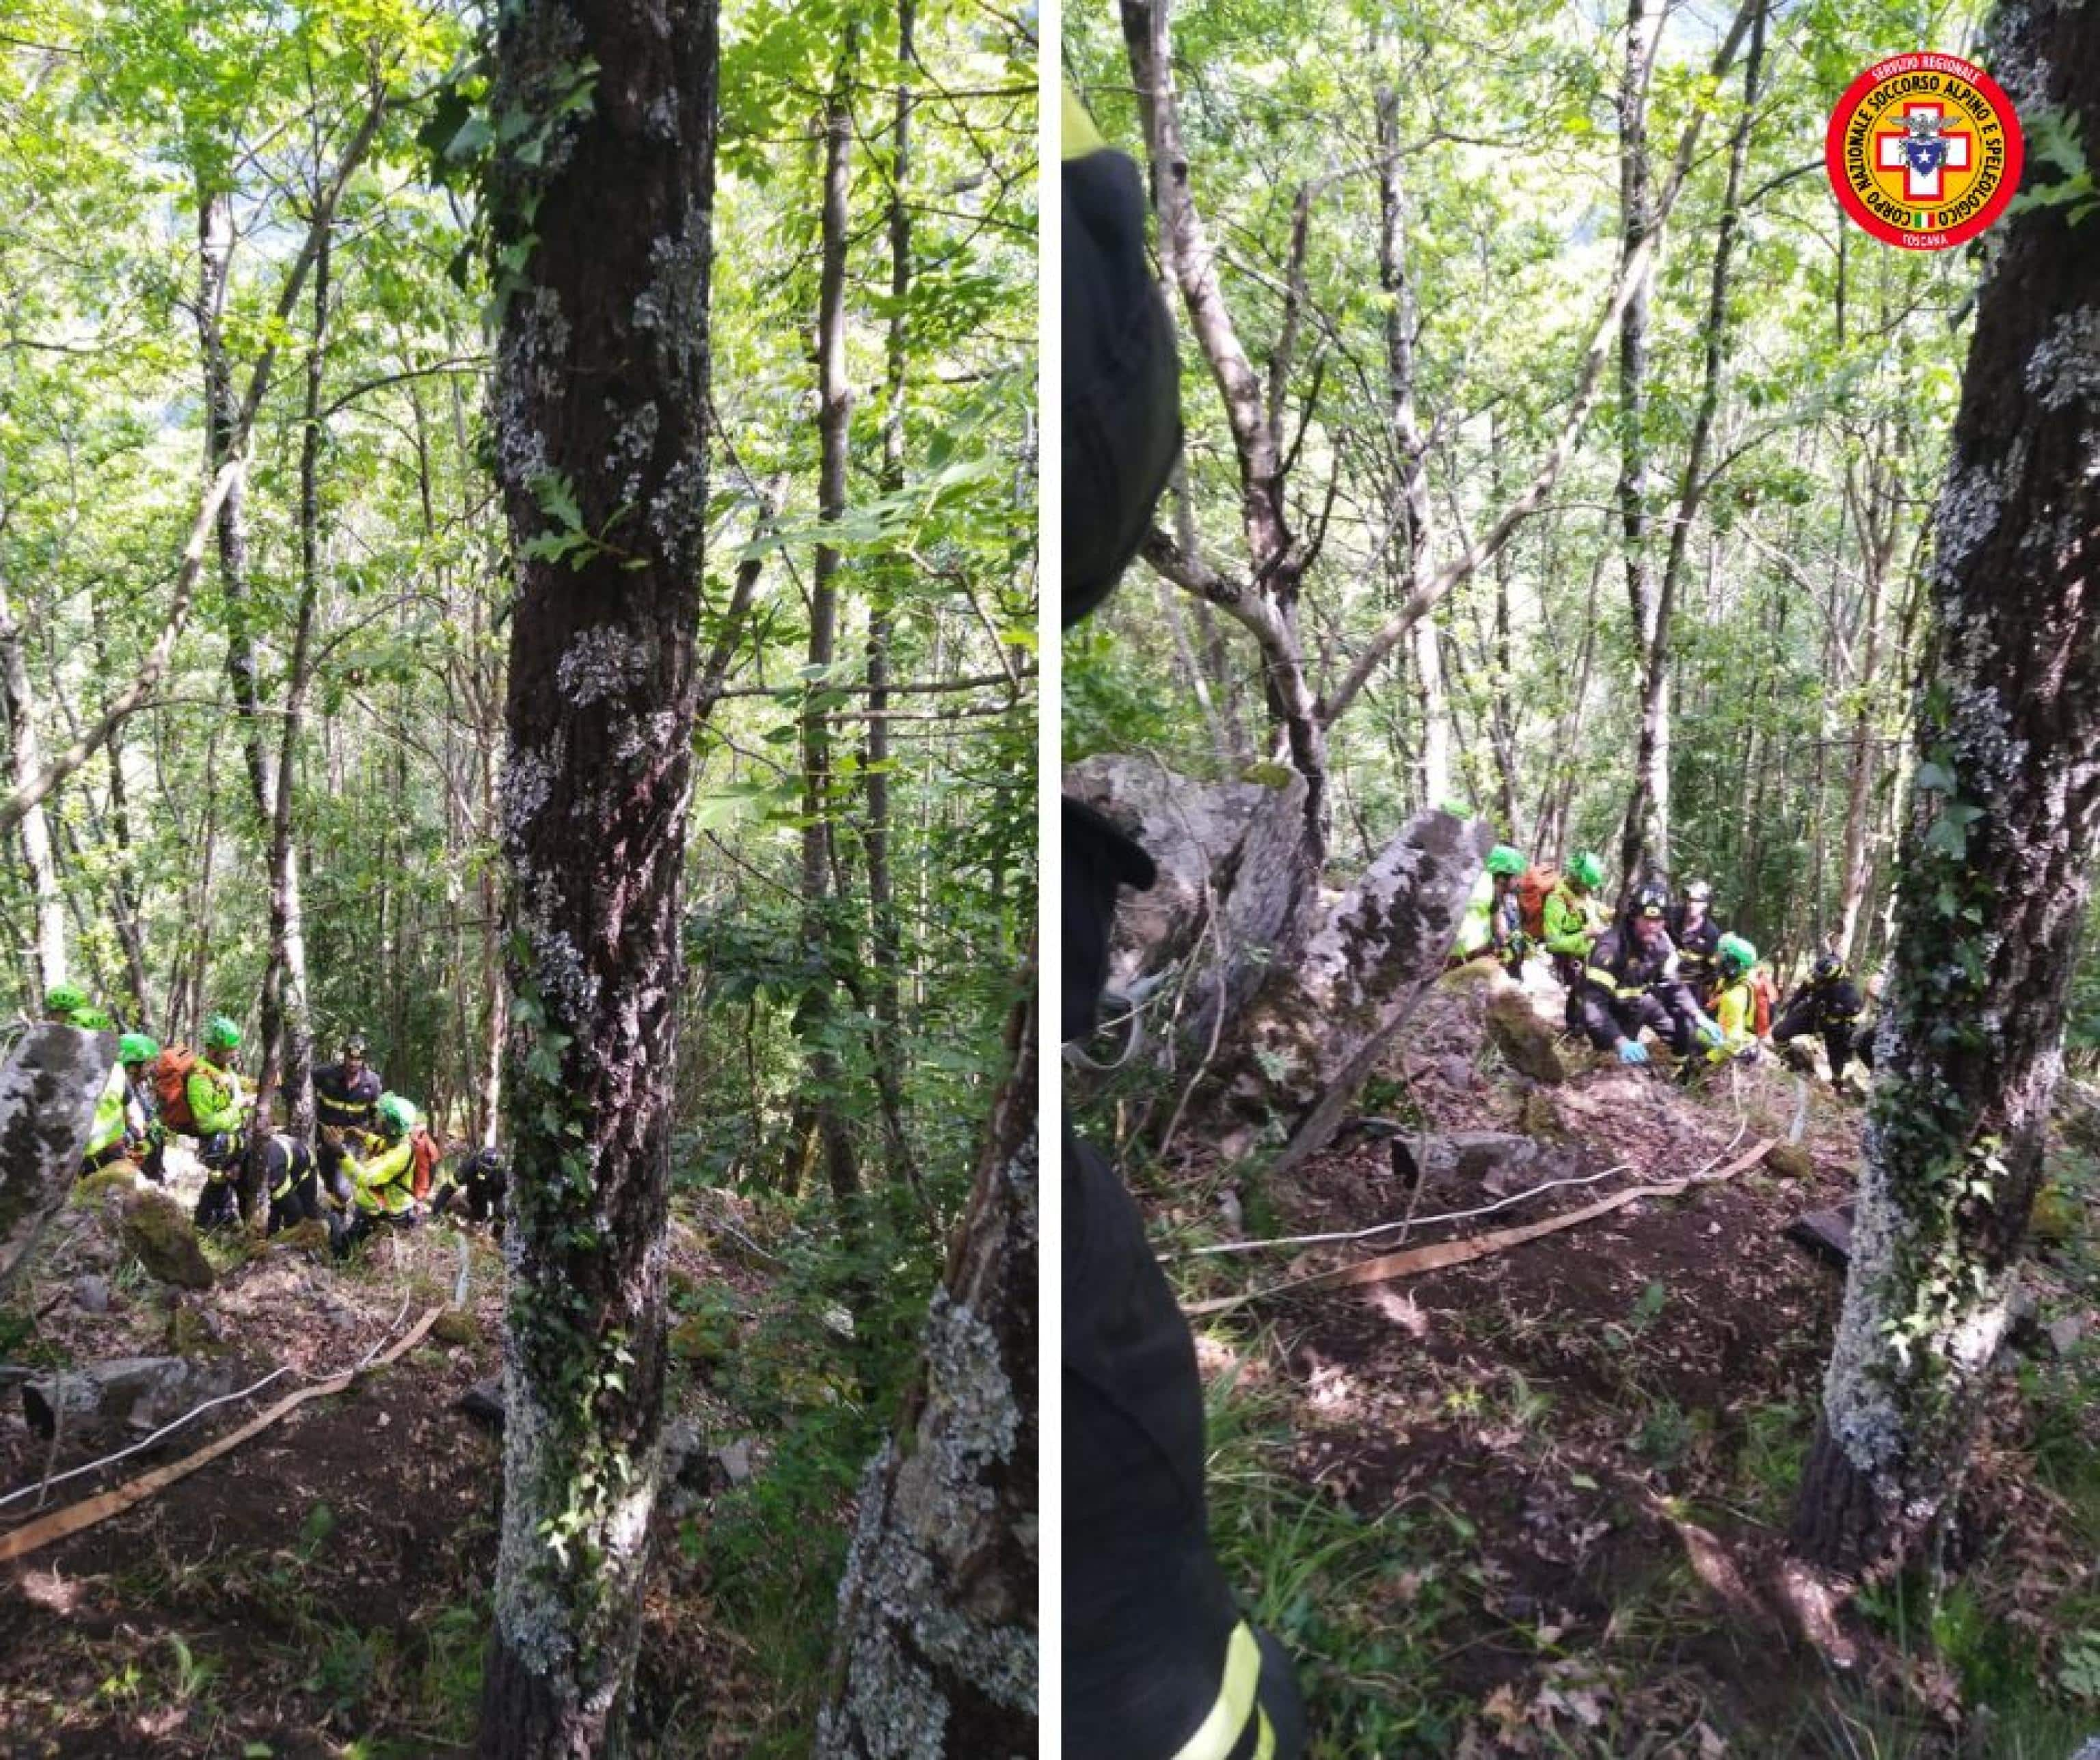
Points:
(1664, 967)
(375, 1162)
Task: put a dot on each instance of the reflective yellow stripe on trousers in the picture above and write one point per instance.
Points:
(1220, 1732)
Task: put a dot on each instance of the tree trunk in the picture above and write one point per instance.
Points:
(1646, 836)
(224, 437)
(1645, 839)
(937, 1647)
(1265, 602)
(820, 1123)
(125, 900)
(1995, 871)
(886, 938)
(287, 1032)
(1502, 711)
(1410, 550)
(25, 759)
(599, 409)
(1875, 516)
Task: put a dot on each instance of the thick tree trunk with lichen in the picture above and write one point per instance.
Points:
(598, 418)
(935, 1653)
(1314, 1031)
(48, 1089)
(1995, 861)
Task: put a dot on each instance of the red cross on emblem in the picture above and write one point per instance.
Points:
(1892, 152)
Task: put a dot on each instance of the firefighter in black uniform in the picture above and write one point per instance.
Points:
(1160, 1664)
(1827, 1005)
(475, 1188)
(1631, 982)
(345, 1100)
(1698, 939)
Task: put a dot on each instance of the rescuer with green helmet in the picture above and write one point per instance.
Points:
(1735, 1002)
(118, 1124)
(219, 1105)
(1490, 925)
(382, 1183)
(1574, 918)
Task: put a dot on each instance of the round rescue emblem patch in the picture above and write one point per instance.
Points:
(1924, 151)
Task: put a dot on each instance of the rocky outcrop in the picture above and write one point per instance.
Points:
(142, 1392)
(48, 1089)
(1229, 885)
(1297, 1056)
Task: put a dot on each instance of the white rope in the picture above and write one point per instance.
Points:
(1455, 1215)
(1405, 1222)
(110, 1460)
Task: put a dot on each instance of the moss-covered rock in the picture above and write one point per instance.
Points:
(2056, 1216)
(193, 1334)
(103, 1189)
(1790, 1161)
(455, 1326)
(1536, 1118)
(703, 1339)
(1525, 1042)
(159, 1236)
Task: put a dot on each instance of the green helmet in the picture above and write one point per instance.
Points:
(63, 998)
(397, 1116)
(90, 1020)
(1502, 859)
(1737, 956)
(1585, 870)
(135, 1047)
(222, 1034)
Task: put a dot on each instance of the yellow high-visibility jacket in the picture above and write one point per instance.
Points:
(381, 1186)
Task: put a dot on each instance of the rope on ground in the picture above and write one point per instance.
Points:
(1347, 1238)
(1444, 1253)
(139, 1447)
(60, 1524)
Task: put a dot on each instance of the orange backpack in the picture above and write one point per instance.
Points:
(424, 1149)
(1532, 890)
(1763, 999)
(171, 1087)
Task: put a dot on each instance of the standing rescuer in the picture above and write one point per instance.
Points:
(1159, 1662)
(346, 1098)
(120, 1125)
(1698, 940)
(1574, 918)
(1490, 926)
(219, 1108)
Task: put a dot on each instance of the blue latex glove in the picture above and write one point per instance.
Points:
(1712, 1034)
(1632, 1051)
